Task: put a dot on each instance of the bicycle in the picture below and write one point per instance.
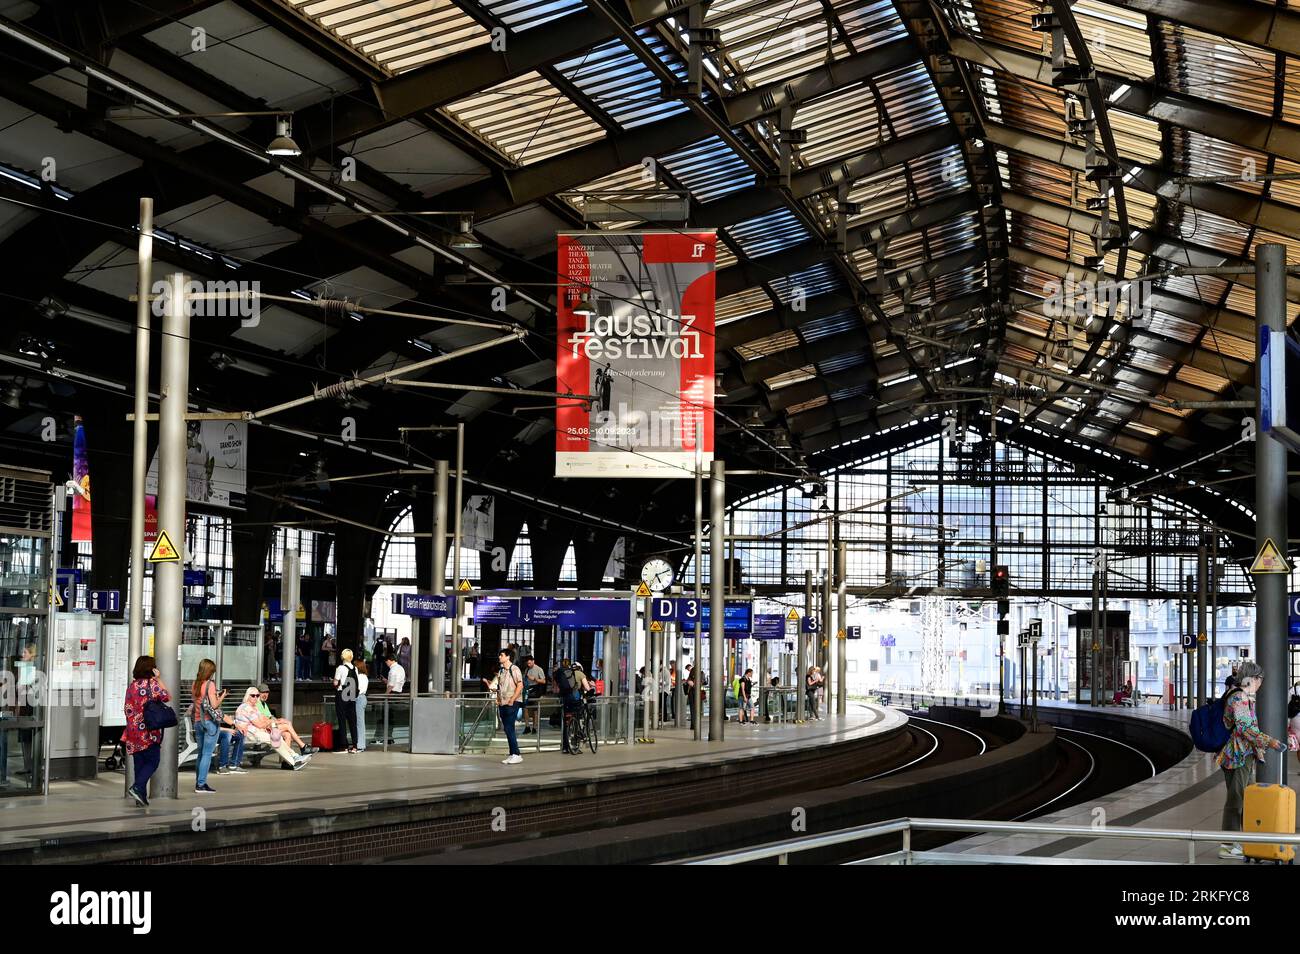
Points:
(584, 726)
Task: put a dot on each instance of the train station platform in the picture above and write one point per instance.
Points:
(1188, 795)
(377, 805)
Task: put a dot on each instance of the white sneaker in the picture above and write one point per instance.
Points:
(1231, 852)
(513, 760)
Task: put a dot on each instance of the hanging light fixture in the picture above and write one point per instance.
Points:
(283, 144)
(464, 235)
(584, 306)
(718, 389)
(13, 396)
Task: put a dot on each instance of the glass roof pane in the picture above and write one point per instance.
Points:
(526, 119)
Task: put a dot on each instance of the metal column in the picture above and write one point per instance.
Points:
(168, 579)
(842, 630)
(717, 602)
(1094, 688)
(457, 667)
(139, 450)
(679, 701)
(825, 636)
(1270, 517)
(801, 665)
(1191, 631)
(1202, 599)
(439, 582)
(697, 693)
(290, 572)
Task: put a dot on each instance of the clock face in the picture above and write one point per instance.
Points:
(657, 574)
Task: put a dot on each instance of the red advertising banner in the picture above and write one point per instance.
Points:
(635, 318)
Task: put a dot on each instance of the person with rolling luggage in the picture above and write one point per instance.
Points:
(1262, 805)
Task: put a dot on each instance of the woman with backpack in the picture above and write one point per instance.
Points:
(347, 687)
(1245, 746)
(144, 743)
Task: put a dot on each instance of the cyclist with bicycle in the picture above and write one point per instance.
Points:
(571, 685)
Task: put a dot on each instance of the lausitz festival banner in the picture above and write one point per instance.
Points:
(636, 331)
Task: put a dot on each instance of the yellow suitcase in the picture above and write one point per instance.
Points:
(1269, 808)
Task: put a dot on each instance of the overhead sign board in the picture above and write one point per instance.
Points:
(551, 611)
(855, 632)
(635, 329)
(1279, 403)
(769, 626)
(738, 616)
(424, 605)
(811, 624)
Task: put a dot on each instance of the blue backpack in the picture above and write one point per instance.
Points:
(1209, 734)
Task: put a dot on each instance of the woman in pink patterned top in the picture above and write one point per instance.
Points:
(144, 743)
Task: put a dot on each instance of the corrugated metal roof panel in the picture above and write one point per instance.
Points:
(526, 118)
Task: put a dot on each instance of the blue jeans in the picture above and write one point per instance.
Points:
(205, 733)
(233, 739)
(361, 722)
(146, 763)
(508, 716)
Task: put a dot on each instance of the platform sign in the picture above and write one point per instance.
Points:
(1293, 619)
(106, 601)
(1188, 640)
(811, 625)
(769, 626)
(424, 605)
(855, 632)
(738, 616)
(1279, 401)
(635, 329)
(196, 578)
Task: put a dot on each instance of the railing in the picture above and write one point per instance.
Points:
(388, 719)
(782, 850)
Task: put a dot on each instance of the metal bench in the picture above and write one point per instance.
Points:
(254, 752)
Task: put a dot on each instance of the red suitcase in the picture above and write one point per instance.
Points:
(322, 737)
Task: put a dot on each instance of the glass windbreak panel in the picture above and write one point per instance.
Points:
(24, 595)
(23, 579)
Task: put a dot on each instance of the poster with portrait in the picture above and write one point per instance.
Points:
(215, 464)
(635, 318)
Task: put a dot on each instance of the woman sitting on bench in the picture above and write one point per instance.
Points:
(258, 728)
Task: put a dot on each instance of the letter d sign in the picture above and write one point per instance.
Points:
(663, 609)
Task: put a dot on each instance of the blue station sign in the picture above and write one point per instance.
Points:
(769, 626)
(424, 605)
(551, 611)
(737, 618)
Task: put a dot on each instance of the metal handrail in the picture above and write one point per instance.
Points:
(781, 850)
(466, 736)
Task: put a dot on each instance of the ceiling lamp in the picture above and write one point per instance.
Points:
(283, 144)
(50, 308)
(221, 361)
(753, 418)
(13, 396)
(584, 306)
(718, 389)
(781, 439)
(319, 475)
(464, 235)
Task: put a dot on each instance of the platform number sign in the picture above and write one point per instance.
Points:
(811, 624)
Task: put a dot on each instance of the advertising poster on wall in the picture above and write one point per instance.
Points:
(635, 320)
(215, 464)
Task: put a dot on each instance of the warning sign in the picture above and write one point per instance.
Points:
(1270, 559)
(841, 635)
(642, 589)
(464, 586)
(656, 626)
(793, 614)
(55, 596)
(163, 550)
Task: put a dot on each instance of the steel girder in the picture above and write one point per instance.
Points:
(1128, 95)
